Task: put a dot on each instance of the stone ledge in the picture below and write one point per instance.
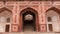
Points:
(31, 33)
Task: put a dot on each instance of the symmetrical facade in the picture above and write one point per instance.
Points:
(45, 16)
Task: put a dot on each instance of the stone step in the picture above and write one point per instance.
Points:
(30, 33)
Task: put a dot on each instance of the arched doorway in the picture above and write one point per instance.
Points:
(5, 20)
(53, 19)
(29, 20)
(29, 23)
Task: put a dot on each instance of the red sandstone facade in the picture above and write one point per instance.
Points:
(17, 8)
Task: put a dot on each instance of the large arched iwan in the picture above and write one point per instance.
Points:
(36, 18)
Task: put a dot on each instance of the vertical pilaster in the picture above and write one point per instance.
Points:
(42, 24)
(14, 27)
(39, 15)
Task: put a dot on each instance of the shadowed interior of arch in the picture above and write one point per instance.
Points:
(29, 23)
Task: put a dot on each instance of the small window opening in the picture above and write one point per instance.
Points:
(49, 19)
(8, 20)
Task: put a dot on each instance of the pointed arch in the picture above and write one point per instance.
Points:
(4, 8)
(29, 10)
(55, 9)
(7, 16)
(52, 14)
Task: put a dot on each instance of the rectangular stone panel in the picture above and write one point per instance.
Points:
(43, 28)
(14, 28)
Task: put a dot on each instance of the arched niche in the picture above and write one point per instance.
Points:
(54, 16)
(4, 15)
